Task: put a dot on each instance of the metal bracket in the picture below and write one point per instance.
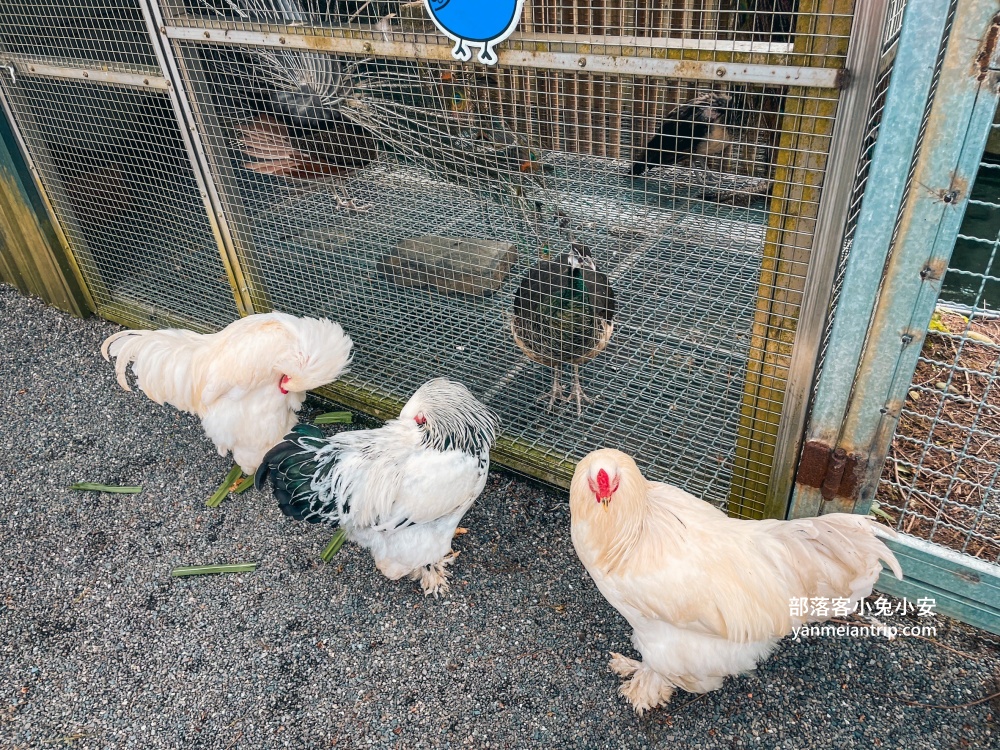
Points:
(833, 471)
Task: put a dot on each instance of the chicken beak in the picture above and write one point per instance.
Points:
(605, 502)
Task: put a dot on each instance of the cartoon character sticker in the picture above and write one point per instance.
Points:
(479, 23)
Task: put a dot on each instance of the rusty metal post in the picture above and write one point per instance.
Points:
(924, 26)
(957, 129)
(883, 317)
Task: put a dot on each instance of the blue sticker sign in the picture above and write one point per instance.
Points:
(479, 23)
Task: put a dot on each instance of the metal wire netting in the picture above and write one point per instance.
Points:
(606, 257)
(744, 31)
(110, 33)
(940, 480)
(121, 183)
(460, 153)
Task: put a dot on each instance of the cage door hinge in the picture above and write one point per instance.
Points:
(834, 471)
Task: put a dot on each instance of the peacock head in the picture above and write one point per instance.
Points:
(578, 257)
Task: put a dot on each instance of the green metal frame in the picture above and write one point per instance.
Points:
(882, 318)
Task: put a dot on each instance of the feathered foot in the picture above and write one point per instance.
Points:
(460, 530)
(646, 689)
(622, 665)
(576, 392)
(434, 577)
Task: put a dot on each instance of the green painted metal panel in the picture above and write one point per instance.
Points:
(966, 589)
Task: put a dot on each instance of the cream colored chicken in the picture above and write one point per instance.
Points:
(706, 595)
(245, 382)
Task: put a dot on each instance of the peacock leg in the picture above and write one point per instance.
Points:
(556, 393)
(344, 200)
(576, 392)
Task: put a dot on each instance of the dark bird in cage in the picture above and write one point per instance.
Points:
(296, 152)
(564, 314)
(398, 106)
(303, 133)
(767, 20)
(696, 128)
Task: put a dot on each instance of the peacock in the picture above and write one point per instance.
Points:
(564, 314)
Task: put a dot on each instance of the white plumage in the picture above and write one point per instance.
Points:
(399, 490)
(706, 595)
(245, 382)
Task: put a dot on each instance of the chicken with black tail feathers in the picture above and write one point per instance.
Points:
(400, 490)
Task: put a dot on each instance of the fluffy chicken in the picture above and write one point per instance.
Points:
(245, 382)
(696, 128)
(706, 595)
(400, 490)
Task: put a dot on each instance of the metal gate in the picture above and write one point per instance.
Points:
(185, 147)
(943, 498)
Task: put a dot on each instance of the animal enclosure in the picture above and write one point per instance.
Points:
(210, 158)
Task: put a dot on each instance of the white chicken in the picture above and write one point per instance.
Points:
(245, 382)
(399, 490)
(706, 595)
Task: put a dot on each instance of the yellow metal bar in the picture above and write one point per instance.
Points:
(806, 126)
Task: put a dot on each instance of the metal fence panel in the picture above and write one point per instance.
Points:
(497, 156)
(92, 107)
(451, 187)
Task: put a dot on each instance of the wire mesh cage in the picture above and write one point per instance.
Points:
(606, 236)
(940, 480)
(87, 95)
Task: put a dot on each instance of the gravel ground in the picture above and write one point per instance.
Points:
(101, 648)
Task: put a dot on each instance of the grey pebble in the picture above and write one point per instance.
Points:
(100, 648)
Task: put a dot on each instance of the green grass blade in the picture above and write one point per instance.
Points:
(220, 494)
(334, 546)
(334, 417)
(92, 487)
(204, 570)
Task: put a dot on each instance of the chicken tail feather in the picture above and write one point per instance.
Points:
(839, 554)
(112, 347)
(290, 466)
(161, 360)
